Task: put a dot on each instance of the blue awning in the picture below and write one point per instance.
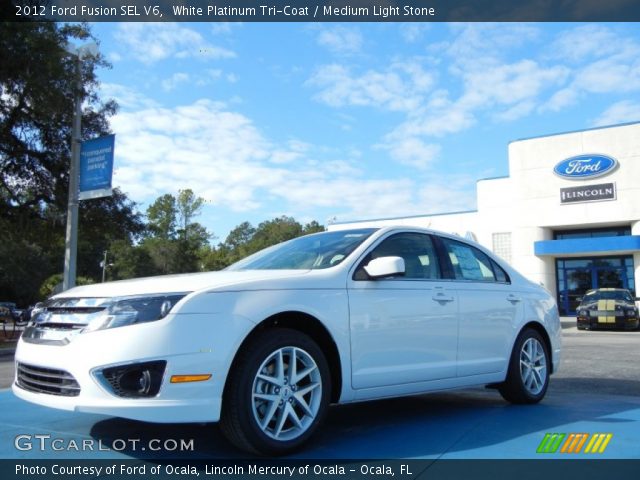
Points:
(589, 246)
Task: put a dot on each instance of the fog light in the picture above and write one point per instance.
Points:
(139, 380)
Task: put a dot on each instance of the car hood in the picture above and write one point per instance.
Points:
(189, 282)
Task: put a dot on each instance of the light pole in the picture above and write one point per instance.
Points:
(71, 238)
(104, 266)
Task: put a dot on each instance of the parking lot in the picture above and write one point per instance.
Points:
(597, 390)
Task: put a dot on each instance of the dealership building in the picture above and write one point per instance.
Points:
(567, 216)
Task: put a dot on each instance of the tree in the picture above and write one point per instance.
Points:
(189, 206)
(238, 243)
(36, 109)
(38, 85)
(161, 216)
(244, 240)
(275, 231)
(313, 227)
(128, 261)
(174, 241)
(104, 221)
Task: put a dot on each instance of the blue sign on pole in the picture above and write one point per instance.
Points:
(96, 167)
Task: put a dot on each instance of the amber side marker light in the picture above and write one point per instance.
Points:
(189, 378)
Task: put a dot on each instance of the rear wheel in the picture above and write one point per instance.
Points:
(278, 393)
(528, 373)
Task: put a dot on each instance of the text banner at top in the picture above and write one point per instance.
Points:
(322, 10)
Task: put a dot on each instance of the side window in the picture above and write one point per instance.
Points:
(501, 275)
(417, 250)
(469, 263)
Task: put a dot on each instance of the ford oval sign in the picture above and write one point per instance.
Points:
(585, 166)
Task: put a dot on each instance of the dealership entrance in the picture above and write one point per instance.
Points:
(577, 275)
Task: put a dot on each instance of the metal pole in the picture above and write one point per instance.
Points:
(71, 239)
(104, 266)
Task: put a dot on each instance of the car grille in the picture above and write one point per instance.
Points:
(57, 321)
(47, 380)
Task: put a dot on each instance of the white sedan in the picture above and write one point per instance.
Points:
(266, 345)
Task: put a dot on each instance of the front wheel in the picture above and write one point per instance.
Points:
(278, 393)
(528, 373)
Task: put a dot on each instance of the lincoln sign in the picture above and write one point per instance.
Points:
(588, 193)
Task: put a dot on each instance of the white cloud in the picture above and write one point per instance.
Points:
(561, 99)
(175, 81)
(413, 31)
(478, 43)
(610, 75)
(398, 88)
(126, 97)
(620, 112)
(587, 42)
(507, 84)
(412, 151)
(224, 28)
(602, 61)
(519, 110)
(483, 83)
(226, 159)
(294, 150)
(341, 40)
(152, 42)
(114, 57)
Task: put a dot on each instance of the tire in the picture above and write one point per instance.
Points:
(268, 407)
(528, 372)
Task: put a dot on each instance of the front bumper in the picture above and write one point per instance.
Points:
(189, 344)
(610, 321)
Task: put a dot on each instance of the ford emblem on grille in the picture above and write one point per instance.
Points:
(585, 166)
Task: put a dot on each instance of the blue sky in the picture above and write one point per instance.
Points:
(349, 121)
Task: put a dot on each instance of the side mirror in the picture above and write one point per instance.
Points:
(385, 267)
(579, 299)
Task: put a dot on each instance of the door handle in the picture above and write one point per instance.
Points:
(513, 298)
(442, 297)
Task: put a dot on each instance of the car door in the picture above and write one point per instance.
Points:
(403, 329)
(488, 309)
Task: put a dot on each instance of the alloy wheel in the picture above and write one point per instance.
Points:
(533, 366)
(286, 393)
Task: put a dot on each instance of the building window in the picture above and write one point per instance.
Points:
(593, 233)
(502, 245)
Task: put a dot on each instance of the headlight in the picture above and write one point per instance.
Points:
(132, 310)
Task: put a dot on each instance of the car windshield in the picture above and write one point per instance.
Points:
(608, 295)
(311, 252)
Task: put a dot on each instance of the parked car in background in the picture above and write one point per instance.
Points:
(10, 320)
(9, 310)
(266, 345)
(608, 308)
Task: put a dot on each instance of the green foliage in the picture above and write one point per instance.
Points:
(53, 285)
(174, 240)
(38, 81)
(245, 240)
(125, 260)
(162, 217)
